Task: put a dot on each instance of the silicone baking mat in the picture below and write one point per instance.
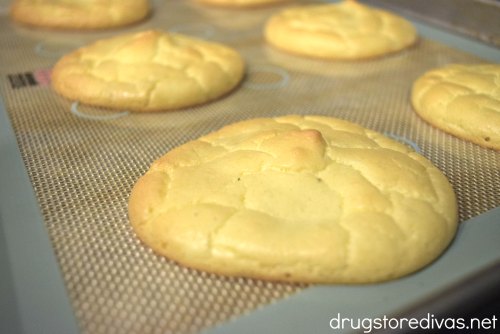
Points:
(474, 18)
(83, 161)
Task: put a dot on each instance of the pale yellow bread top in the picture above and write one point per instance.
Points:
(463, 100)
(346, 30)
(79, 14)
(240, 3)
(303, 199)
(148, 71)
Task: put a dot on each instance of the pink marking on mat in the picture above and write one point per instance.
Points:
(42, 76)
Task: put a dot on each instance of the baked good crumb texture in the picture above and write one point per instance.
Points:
(296, 198)
(347, 30)
(79, 15)
(148, 71)
(463, 100)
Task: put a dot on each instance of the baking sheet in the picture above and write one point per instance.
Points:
(476, 19)
(82, 161)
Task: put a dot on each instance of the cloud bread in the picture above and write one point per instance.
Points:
(463, 100)
(301, 199)
(347, 30)
(148, 71)
(240, 3)
(79, 14)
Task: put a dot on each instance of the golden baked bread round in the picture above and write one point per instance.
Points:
(296, 198)
(346, 30)
(79, 14)
(240, 3)
(463, 100)
(148, 71)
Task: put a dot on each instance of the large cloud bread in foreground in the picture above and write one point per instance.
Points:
(294, 198)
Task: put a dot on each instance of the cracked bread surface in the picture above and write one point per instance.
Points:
(79, 14)
(463, 100)
(240, 3)
(148, 71)
(344, 31)
(295, 198)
